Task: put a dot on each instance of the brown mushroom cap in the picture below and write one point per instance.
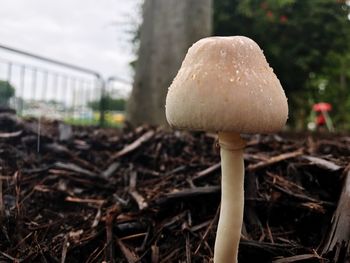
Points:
(226, 84)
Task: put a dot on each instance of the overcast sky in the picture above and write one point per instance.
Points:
(90, 33)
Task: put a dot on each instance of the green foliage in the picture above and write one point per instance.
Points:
(6, 92)
(110, 104)
(306, 42)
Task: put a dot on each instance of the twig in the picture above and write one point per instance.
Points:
(7, 135)
(284, 182)
(188, 247)
(16, 179)
(274, 249)
(110, 170)
(64, 249)
(145, 240)
(168, 257)
(269, 232)
(274, 160)
(93, 257)
(207, 171)
(111, 214)
(200, 226)
(216, 217)
(133, 146)
(2, 208)
(97, 217)
(10, 258)
(322, 163)
(155, 253)
(140, 200)
(297, 258)
(63, 150)
(98, 202)
(22, 241)
(188, 193)
(302, 196)
(129, 255)
(75, 168)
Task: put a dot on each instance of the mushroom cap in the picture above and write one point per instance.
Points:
(226, 84)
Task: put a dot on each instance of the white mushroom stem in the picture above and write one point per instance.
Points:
(232, 198)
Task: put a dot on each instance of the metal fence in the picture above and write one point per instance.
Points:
(51, 88)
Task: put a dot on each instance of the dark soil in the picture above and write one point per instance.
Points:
(150, 195)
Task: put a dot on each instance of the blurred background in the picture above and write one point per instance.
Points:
(107, 62)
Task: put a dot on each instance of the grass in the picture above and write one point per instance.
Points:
(91, 122)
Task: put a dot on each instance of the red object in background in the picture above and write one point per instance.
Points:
(283, 19)
(322, 106)
(320, 120)
(269, 14)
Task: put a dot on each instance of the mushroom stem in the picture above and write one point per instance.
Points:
(232, 198)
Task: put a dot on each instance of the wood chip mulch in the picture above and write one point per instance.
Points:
(151, 195)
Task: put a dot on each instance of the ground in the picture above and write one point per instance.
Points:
(151, 195)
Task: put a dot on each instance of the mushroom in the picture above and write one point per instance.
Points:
(225, 85)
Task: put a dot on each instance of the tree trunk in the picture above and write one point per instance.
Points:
(169, 28)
